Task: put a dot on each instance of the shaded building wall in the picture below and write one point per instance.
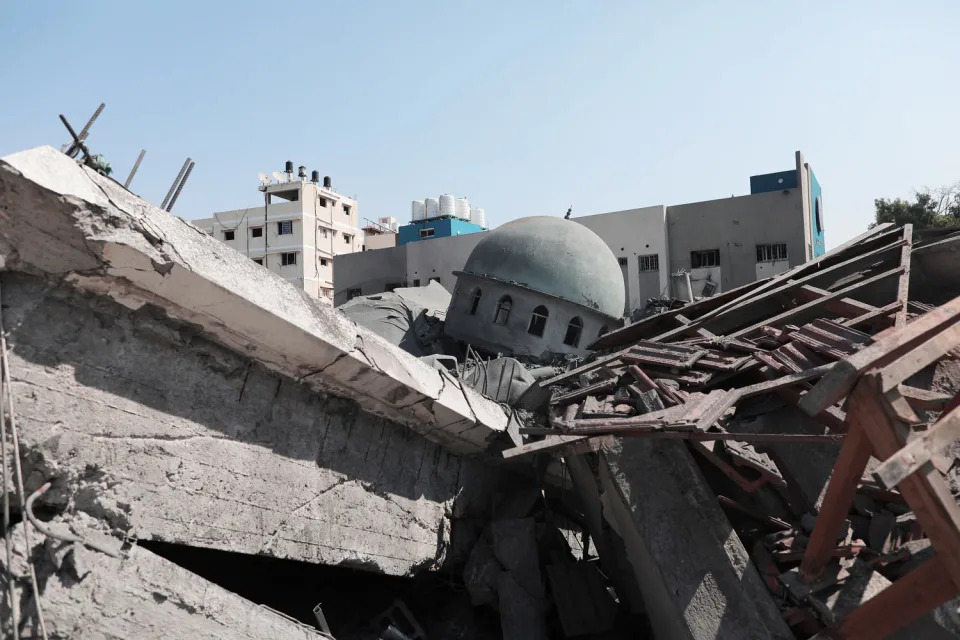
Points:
(439, 259)
(735, 226)
(368, 272)
(480, 330)
(632, 234)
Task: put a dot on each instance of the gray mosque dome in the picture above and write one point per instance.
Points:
(558, 257)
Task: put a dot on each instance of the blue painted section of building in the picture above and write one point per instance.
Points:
(816, 215)
(440, 228)
(773, 181)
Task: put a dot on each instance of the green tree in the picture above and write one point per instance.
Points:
(929, 209)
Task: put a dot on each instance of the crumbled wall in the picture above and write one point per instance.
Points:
(144, 423)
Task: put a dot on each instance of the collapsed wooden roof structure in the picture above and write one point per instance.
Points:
(841, 339)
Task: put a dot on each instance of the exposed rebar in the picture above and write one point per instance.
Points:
(72, 148)
(183, 169)
(11, 416)
(180, 188)
(64, 537)
(133, 172)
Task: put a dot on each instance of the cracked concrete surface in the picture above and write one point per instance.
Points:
(145, 424)
(61, 220)
(87, 594)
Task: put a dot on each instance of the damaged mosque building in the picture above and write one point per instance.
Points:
(195, 447)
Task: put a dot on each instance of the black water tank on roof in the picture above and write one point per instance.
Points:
(327, 182)
(314, 177)
(289, 167)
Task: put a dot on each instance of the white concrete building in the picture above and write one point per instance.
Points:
(297, 232)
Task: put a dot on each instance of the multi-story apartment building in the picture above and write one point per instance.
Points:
(298, 231)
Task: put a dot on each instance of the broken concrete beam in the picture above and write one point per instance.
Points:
(64, 221)
(88, 594)
(146, 424)
(695, 577)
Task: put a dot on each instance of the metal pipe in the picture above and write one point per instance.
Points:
(80, 145)
(180, 188)
(183, 169)
(133, 172)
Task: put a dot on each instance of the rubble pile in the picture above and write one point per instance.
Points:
(820, 407)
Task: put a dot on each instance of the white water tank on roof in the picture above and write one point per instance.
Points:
(462, 209)
(448, 205)
(418, 210)
(432, 206)
(478, 217)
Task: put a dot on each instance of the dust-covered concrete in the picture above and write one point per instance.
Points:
(88, 594)
(144, 423)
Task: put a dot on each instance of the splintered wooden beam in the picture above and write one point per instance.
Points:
(847, 472)
(839, 382)
(915, 594)
(919, 451)
(903, 287)
(787, 316)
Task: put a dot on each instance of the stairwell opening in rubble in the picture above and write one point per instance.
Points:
(351, 599)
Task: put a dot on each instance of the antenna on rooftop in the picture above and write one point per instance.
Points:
(264, 179)
(279, 177)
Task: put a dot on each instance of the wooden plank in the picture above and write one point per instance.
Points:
(583, 392)
(903, 287)
(919, 357)
(551, 443)
(846, 307)
(590, 366)
(925, 491)
(872, 318)
(919, 451)
(790, 314)
(838, 383)
(847, 472)
(906, 600)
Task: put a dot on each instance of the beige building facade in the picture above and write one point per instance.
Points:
(297, 232)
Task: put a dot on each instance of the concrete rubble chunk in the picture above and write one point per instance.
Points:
(88, 594)
(231, 456)
(64, 221)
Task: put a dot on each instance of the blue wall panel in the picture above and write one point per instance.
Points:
(773, 181)
(816, 215)
(442, 228)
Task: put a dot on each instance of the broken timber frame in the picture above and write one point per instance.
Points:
(879, 418)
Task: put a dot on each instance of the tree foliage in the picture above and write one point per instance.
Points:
(936, 208)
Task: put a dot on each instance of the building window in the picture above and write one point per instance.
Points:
(602, 331)
(426, 233)
(346, 209)
(435, 279)
(353, 293)
(538, 321)
(474, 301)
(648, 263)
(705, 258)
(228, 235)
(622, 262)
(416, 282)
(284, 228)
(574, 329)
(323, 231)
(323, 262)
(258, 260)
(503, 310)
(771, 252)
(347, 238)
(256, 232)
(322, 202)
(394, 285)
(287, 259)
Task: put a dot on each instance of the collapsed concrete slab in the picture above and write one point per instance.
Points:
(143, 422)
(61, 220)
(681, 556)
(88, 594)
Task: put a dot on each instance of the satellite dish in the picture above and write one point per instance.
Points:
(264, 178)
(279, 176)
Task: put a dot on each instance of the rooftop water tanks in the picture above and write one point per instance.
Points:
(432, 206)
(478, 217)
(462, 209)
(418, 210)
(448, 205)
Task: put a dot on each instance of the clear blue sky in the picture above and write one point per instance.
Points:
(524, 107)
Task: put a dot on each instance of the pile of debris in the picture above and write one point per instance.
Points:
(791, 391)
